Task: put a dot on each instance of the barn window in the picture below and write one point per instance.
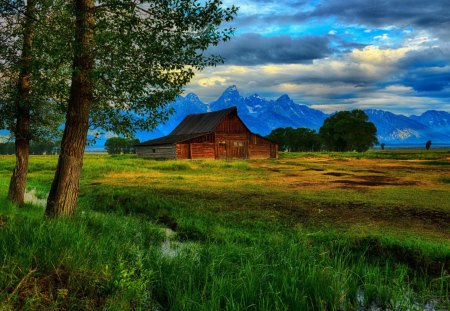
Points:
(154, 150)
(238, 144)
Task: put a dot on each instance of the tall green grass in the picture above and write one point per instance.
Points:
(100, 260)
(111, 256)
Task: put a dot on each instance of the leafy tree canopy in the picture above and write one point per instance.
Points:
(348, 131)
(119, 145)
(50, 69)
(146, 52)
(300, 139)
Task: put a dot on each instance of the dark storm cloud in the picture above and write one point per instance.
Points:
(255, 49)
(427, 79)
(430, 57)
(387, 12)
(430, 15)
(426, 70)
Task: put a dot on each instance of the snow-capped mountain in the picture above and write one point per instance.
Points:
(393, 128)
(262, 116)
(438, 120)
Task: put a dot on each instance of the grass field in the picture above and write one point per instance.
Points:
(309, 231)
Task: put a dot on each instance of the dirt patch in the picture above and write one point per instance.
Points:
(375, 180)
(337, 174)
(58, 288)
(315, 169)
(370, 171)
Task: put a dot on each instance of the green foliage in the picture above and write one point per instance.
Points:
(49, 67)
(300, 139)
(428, 145)
(146, 52)
(120, 145)
(348, 131)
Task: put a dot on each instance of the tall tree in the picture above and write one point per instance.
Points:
(22, 131)
(131, 58)
(64, 191)
(348, 131)
(28, 91)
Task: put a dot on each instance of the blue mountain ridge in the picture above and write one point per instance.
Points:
(262, 116)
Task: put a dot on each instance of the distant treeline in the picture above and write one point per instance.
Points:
(35, 148)
(119, 145)
(343, 131)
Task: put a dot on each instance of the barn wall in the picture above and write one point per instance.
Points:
(157, 152)
(202, 150)
(259, 151)
(183, 151)
(231, 125)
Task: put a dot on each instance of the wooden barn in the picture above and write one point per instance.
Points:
(212, 135)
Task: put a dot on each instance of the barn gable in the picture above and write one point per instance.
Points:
(217, 135)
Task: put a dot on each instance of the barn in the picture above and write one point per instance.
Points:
(213, 135)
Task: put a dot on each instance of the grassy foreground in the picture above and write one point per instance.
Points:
(315, 231)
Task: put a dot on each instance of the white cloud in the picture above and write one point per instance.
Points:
(382, 37)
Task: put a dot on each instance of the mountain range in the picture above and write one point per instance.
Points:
(262, 116)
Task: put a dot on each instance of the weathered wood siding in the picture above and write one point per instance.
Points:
(231, 124)
(157, 152)
(183, 151)
(202, 150)
(259, 151)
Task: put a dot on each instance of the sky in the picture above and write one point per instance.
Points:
(337, 54)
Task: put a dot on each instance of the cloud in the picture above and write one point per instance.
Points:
(254, 49)
(429, 15)
(428, 79)
(392, 54)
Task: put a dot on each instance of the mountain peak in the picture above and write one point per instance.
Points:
(231, 88)
(283, 98)
(192, 97)
(231, 91)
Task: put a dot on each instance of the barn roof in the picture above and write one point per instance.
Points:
(169, 140)
(192, 126)
(201, 123)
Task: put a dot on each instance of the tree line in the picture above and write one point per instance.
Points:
(112, 65)
(342, 131)
(121, 145)
(38, 148)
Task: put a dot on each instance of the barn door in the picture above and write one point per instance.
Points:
(184, 151)
(222, 150)
(273, 151)
(237, 149)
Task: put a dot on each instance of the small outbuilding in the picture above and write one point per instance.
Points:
(213, 135)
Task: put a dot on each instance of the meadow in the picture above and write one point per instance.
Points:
(309, 231)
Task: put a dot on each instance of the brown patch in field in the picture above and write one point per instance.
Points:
(3, 220)
(375, 180)
(370, 171)
(337, 174)
(54, 289)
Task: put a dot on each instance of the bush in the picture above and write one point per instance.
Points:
(120, 145)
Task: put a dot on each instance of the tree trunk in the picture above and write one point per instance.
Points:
(63, 195)
(18, 181)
